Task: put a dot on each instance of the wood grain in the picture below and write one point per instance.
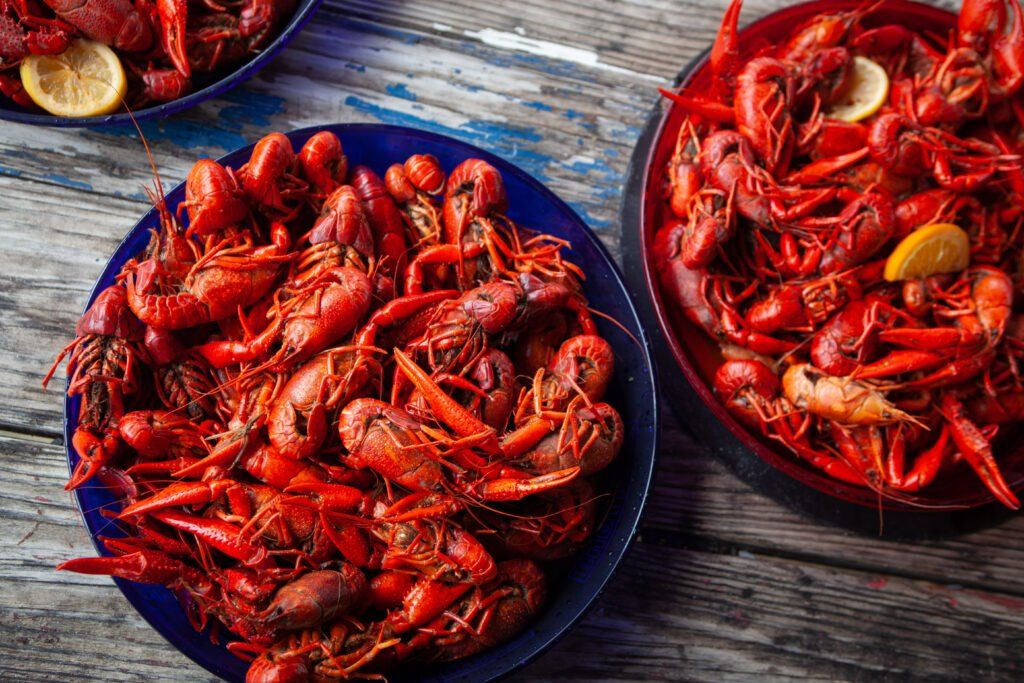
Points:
(724, 584)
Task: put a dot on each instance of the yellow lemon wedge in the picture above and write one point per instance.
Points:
(929, 250)
(87, 79)
(865, 94)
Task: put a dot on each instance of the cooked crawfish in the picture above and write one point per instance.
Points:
(324, 395)
(163, 43)
(778, 220)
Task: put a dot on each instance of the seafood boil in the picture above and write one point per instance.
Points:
(844, 211)
(355, 421)
(164, 45)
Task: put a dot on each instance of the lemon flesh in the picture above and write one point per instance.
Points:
(87, 79)
(865, 94)
(929, 250)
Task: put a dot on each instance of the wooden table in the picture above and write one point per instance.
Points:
(724, 583)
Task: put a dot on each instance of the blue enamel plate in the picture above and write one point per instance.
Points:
(206, 86)
(575, 588)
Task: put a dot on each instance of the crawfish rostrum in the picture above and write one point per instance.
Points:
(351, 424)
(163, 43)
(781, 219)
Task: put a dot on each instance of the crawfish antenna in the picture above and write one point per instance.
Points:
(613, 321)
(160, 201)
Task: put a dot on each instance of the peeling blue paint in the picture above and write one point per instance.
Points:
(552, 67)
(66, 181)
(400, 90)
(10, 172)
(187, 134)
(501, 138)
(539, 106)
(595, 223)
(405, 36)
(244, 107)
(250, 107)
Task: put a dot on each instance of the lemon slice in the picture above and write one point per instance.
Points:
(929, 250)
(87, 79)
(865, 94)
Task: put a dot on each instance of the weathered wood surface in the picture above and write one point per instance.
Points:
(724, 584)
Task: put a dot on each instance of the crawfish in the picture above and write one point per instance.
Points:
(299, 417)
(104, 362)
(460, 326)
(582, 366)
(323, 162)
(270, 179)
(385, 220)
(117, 23)
(487, 616)
(234, 274)
(840, 399)
(415, 186)
(316, 315)
(183, 380)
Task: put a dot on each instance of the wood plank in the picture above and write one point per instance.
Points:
(696, 500)
(55, 244)
(653, 38)
(574, 133)
(670, 612)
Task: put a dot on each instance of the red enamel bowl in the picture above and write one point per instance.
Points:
(697, 356)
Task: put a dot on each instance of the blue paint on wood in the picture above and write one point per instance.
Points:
(10, 172)
(400, 90)
(539, 106)
(250, 107)
(500, 138)
(547, 65)
(242, 107)
(183, 133)
(66, 181)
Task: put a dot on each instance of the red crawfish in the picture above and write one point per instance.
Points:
(104, 364)
(323, 162)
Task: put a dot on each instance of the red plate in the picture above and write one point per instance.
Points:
(697, 356)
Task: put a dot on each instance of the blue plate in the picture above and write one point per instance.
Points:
(634, 390)
(214, 84)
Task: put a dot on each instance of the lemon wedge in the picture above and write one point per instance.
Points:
(87, 79)
(865, 94)
(929, 250)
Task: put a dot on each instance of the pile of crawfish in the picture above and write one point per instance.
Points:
(780, 220)
(349, 417)
(160, 42)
